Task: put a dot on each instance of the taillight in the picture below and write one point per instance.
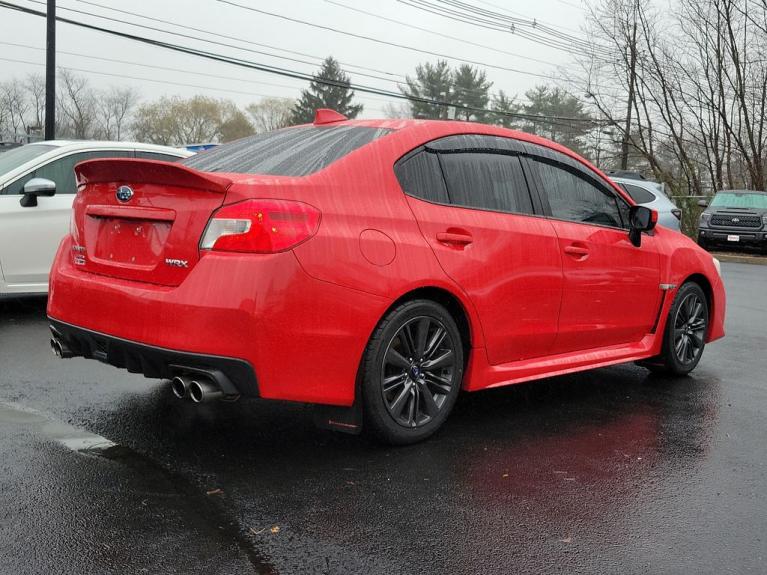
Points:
(260, 226)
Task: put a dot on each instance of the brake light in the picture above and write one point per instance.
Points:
(260, 226)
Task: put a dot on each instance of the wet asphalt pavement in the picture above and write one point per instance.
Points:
(610, 471)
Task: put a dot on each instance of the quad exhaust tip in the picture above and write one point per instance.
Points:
(179, 385)
(202, 391)
(60, 350)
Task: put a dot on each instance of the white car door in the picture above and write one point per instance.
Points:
(29, 237)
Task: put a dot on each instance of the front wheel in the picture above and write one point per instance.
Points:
(685, 332)
(412, 372)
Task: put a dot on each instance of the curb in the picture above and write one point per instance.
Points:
(738, 259)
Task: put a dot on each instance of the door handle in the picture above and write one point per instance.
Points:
(454, 239)
(578, 252)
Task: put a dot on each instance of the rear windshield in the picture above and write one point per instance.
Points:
(739, 200)
(289, 152)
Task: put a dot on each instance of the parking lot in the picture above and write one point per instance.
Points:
(609, 471)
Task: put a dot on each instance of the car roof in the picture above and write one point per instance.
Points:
(89, 144)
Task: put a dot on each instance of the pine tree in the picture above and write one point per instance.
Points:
(548, 102)
(431, 82)
(470, 90)
(330, 88)
(503, 106)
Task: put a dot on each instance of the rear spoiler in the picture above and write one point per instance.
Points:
(130, 171)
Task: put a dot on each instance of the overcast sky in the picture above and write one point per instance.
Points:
(147, 68)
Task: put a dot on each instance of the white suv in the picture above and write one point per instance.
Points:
(37, 187)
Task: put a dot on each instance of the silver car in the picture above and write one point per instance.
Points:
(650, 194)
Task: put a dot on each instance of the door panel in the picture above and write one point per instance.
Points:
(510, 268)
(29, 238)
(611, 288)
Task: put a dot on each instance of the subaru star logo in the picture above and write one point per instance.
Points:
(124, 193)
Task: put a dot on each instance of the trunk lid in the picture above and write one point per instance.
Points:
(142, 220)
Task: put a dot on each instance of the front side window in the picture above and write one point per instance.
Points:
(486, 181)
(61, 171)
(289, 152)
(573, 198)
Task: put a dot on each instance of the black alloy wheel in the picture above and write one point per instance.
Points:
(685, 333)
(417, 371)
(412, 372)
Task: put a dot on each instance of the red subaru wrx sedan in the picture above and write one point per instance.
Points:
(375, 267)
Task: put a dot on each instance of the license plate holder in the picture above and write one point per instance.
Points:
(733, 238)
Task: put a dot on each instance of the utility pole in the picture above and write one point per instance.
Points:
(632, 88)
(50, 72)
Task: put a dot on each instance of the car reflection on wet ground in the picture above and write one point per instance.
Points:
(609, 471)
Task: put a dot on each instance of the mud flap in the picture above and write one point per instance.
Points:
(338, 418)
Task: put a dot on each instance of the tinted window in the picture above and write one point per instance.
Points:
(289, 152)
(572, 197)
(639, 195)
(486, 181)
(420, 176)
(62, 172)
(157, 156)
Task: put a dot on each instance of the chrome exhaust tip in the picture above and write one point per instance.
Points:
(56, 348)
(202, 391)
(179, 385)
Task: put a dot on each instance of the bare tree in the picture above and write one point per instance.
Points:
(113, 109)
(271, 114)
(35, 88)
(15, 106)
(78, 105)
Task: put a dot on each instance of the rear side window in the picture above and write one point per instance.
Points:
(486, 181)
(420, 177)
(639, 195)
(290, 152)
(573, 198)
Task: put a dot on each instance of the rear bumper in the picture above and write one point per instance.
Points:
(303, 337)
(234, 376)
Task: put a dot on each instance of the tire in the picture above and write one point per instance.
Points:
(684, 334)
(703, 244)
(412, 373)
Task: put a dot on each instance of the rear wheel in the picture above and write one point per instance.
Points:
(685, 332)
(412, 372)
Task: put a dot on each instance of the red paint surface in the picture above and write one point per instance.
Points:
(541, 296)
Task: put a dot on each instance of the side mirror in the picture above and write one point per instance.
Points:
(703, 203)
(641, 219)
(36, 187)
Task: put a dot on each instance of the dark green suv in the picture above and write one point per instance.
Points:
(735, 218)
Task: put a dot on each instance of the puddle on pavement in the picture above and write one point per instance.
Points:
(215, 519)
(67, 435)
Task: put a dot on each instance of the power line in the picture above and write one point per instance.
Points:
(294, 74)
(247, 41)
(468, 14)
(143, 79)
(440, 34)
(386, 42)
(169, 69)
(191, 37)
